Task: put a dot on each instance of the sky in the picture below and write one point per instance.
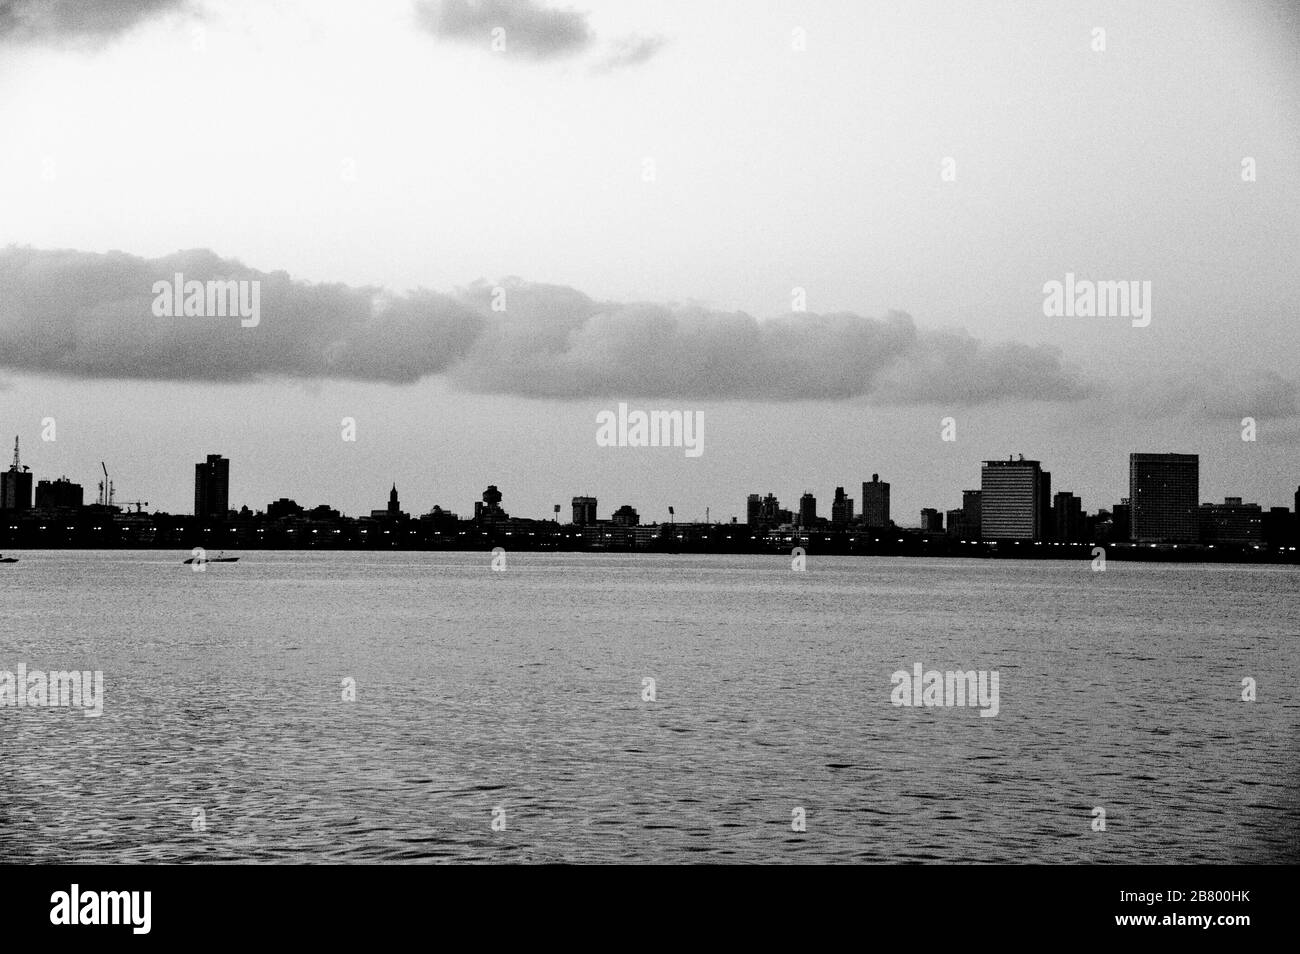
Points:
(649, 189)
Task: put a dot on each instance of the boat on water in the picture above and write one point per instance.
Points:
(219, 558)
(5, 559)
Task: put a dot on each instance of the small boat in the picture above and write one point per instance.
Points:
(5, 559)
(216, 559)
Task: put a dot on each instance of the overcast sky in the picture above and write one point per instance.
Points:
(649, 183)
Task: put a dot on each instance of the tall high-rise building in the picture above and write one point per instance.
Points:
(931, 520)
(807, 509)
(584, 511)
(1012, 505)
(1295, 519)
(1046, 528)
(16, 490)
(875, 503)
(1163, 492)
(753, 510)
(841, 508)
(16, 485)
(212, 487)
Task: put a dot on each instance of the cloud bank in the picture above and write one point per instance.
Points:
(1217, 393)
(90, 315)
(57, 21)
(530, 28)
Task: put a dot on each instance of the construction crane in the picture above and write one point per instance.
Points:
(108, 496)
(105, 488)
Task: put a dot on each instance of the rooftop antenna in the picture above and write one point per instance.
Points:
(18, 465)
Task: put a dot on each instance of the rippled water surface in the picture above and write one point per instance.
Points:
(522, 690)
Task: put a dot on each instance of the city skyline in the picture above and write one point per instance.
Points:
(1026, 509)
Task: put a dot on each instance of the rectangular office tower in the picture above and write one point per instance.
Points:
(1014, 500)
(875, 503)
(212, 487)
(16, 489)
(841, 508)
(1163, 491)
(584, 511)
(59, 494)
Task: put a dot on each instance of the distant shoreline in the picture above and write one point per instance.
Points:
(915, 546)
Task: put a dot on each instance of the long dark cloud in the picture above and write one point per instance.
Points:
(1219, 393)
(91, 315)
(531, 28)
(59, 21)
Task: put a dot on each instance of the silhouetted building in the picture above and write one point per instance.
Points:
(1231, 522)
(1067, 516)
(488, 510)
(807, 509)
(16, 485)
(841, 509)
(16, 490)
(875, 503)
(1122, 520)
(1046, 528)
(1277, 526)
(1163, 492)
(212, 487)
(394, 509)
(59, 494)
(584, 511)
(1012, 500)
(624, 516)
(931, 521)
(284, 507)
(438, 520)
(970, 513)
(765, 513)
